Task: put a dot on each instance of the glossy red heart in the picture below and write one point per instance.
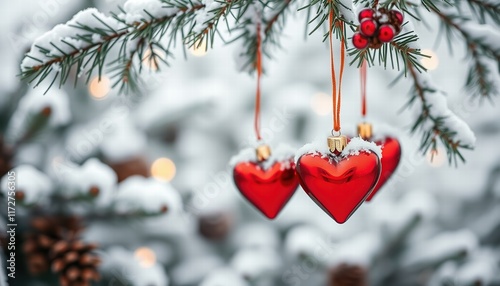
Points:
(391, 154)
(339, 185)
(268, 190)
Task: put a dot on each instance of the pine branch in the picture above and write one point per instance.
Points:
(276, 22)
(270, 16)
(484, 9)
(400, 53)
(437, 122)
(206, 22)
(98, 43)
(480, 44)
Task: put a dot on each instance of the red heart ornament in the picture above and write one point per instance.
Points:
(391, 154)
(268, 190)
(339, 185)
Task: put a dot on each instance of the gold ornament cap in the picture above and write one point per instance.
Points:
(337, 143)
(263, 152)
(365, 130)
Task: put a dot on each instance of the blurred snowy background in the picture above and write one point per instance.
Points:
(166, 152)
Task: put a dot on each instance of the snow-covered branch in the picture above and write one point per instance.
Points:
(437, 121)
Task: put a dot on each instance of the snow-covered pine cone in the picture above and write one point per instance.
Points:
(348, 275)
(46, 232)
(75, 263)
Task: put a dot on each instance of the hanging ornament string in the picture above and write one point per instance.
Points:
(258, 67)
(336, 89)
(362, 73)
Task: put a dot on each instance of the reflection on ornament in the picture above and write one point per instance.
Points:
(163, 169)
(99, 88)
(430, 63)
(269, 190)
(145, 256)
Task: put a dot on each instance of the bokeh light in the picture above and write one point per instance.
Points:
(99, 88)
(153, 61)
(163, 169)
(145, 256)
(437, 158)
(430, 63)
(199, 50)
(321, 103)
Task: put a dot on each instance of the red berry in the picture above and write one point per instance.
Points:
(368, 27)
(366, 13)
(398, 15)
(386, 33)
(359, 41)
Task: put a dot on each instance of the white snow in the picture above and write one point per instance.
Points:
(31, 105)
(37, 187)
(252, 17)
(482, 267)
(202, 17)
(192, 270)
(359, 250)
(67, 33)
(441, 246)
(282, 153)
(486, 35)
(118, 259)
(123, 143)
(492, 75)
(142, 10)
(354, 147)
(346, 8)
(357, 145)
(302, 240)
(254, 263)
(78, 181)
(224, 277)
(438, 105)
(146, 195)
(445, 272)
(256, 235)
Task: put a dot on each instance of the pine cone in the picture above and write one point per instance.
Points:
(75, 263)
(6, 155)
(130, 167)
(348, 275)
(46, 232)
(215, 227)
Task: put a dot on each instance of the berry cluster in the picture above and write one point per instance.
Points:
(377, 27)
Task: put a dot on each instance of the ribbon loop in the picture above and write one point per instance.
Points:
(362, 72)
(336, 89)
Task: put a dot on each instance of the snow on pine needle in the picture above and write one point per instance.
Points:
(147, 30)
(93, 179)
(144, 29)
(35, 191)
(37, 112)
(147, 196)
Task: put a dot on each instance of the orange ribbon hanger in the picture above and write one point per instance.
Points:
(336, 93)
(362, 72)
